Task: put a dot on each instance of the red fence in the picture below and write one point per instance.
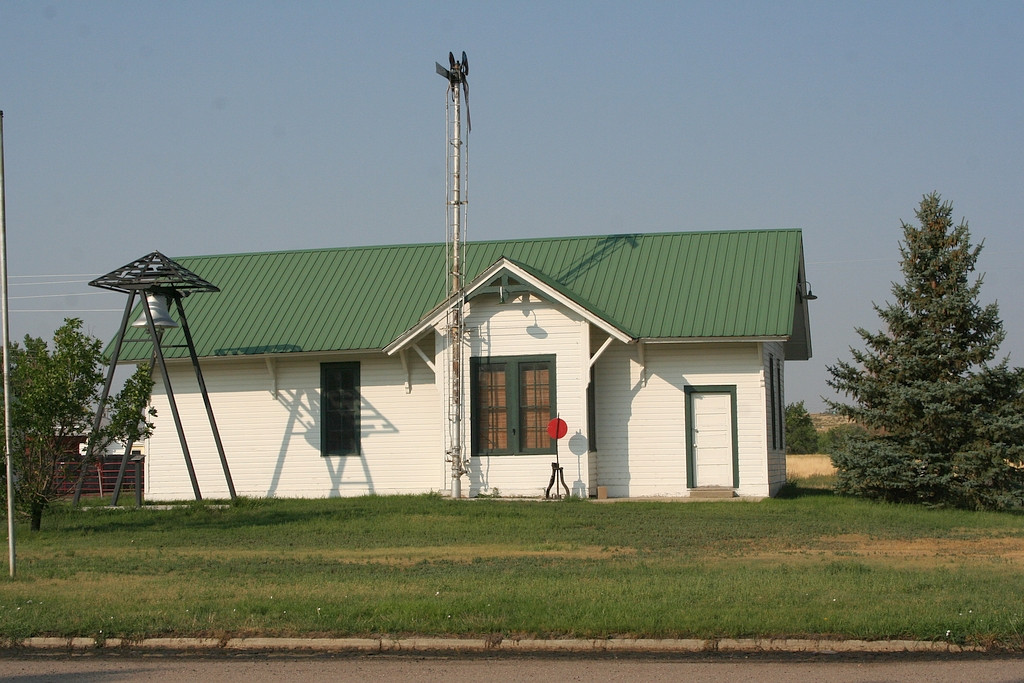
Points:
(100, 477)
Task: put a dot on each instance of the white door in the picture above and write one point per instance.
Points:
(712, 439)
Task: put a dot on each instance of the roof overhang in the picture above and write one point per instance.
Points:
(489, 281)
(798, 345)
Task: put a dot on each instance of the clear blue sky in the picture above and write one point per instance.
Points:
(214, 127)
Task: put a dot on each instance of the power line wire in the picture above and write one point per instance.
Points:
(67, 310)
(51, 296)
(20, 277)
(51, 282)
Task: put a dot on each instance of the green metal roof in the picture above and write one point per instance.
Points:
(663, 285)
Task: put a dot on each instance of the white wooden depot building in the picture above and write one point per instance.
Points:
(329, 370)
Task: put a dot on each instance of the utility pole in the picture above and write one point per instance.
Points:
(6, 324)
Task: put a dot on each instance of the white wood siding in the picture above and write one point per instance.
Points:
(272, 444)
(641, 430)
(527, 326)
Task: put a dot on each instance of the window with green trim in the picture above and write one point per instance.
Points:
(592, 411)
(339, 408)
(513, 400)
(776, 408)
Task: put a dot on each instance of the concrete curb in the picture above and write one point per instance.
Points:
(496, 645)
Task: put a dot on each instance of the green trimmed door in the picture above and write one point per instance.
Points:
(712, 439)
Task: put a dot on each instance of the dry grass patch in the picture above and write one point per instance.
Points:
(467, 554)
(926, 551)
(398, 557)
(801, 466)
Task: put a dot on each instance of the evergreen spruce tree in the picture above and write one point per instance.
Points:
(945, 425)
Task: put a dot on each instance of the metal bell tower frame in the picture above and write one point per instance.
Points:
(155, 274)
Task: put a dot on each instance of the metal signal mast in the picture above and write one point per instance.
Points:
(457, 199)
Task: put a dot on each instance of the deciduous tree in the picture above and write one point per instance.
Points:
(801, 436)
(54, 397)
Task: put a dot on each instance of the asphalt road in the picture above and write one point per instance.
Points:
(250, 668)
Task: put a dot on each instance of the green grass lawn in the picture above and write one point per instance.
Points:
(805, 564)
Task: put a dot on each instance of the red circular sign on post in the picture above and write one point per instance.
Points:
(557, 428)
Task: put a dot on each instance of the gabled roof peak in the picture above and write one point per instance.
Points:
(525, 279)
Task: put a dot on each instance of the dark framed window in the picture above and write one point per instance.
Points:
(513, 400)
(780, 402)
(339, 408)
(776, 407)
(592, 411)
